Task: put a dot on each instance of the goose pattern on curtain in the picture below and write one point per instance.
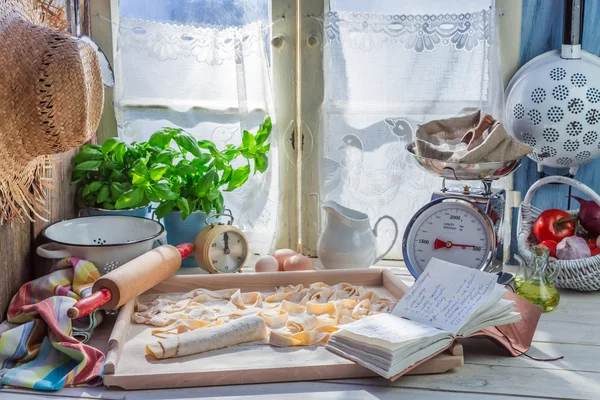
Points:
(384, 74)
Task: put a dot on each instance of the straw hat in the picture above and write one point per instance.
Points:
(51, 98)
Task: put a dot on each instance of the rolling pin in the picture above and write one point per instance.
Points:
(132, 279)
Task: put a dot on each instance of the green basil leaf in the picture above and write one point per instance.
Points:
(165, 157)
(103, 194)
(139, 175)
(119, 152)
(108, 205)
(261, 162)
(77, 176)
(92, 188)
(183, 205)
(201, 160)
(207, 206)
(187, 142)
(247, 154)
(184, 170)
(131, 199)
(206, 144)
(118, 176)
(231, 154)
(247, 139)
(160, 139)
(111, 165)
(265, 149)
(94, 146)
(192, 204)
(219, 164)
(88, 165)
(164, 209)
(264, 131)
(150, 194)
(118, 188)
(87, 154)
(110, 145)
(239, 177)
(163, 191)
(227, 173)
(212, 194)
(157, 171)
(205, 183)
(218, 203)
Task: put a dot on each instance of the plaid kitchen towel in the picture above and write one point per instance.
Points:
(39, 346)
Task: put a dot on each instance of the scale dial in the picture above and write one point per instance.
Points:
(450, 229)
(221, 248)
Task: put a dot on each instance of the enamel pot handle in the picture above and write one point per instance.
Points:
(44, 251)
(377, 259)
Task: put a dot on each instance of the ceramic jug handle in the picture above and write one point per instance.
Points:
(377, 259)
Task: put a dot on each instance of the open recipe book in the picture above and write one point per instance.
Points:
(446, 301)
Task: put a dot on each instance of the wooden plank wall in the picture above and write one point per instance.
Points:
(541, 31)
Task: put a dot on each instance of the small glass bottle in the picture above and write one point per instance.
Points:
(537, 286)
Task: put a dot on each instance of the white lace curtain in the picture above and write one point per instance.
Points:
(389, 66)
(176, 68)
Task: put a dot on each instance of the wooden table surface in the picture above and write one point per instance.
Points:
(572, 330)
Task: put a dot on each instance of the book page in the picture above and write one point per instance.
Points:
(446, 295)
(387, 331)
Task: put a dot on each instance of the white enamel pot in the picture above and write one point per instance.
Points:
(106, 241)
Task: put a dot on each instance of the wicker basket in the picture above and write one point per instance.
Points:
(582, 274)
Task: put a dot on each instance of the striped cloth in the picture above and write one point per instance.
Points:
(39, 346)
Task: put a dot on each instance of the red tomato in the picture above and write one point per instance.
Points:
(595, 251)
(592, 243)
(551, 245)
(554, 225)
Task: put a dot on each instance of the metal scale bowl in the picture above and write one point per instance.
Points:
(461, 223)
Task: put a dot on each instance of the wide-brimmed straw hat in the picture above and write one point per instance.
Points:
(51, 98)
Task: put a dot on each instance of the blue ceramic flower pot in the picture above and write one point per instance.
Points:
(134, 212)
(179, 231)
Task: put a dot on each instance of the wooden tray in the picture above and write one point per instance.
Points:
(128, 367)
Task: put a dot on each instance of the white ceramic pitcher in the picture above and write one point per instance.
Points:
(347, 240)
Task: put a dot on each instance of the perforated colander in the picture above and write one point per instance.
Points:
(553, 101)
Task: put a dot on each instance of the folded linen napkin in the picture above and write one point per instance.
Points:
(38, 342)
(441, 140)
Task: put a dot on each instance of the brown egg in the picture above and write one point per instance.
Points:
(266, 264)
(283, 254)
(298, 263)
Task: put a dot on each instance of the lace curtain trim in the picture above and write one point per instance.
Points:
(418, 33)
(208, 45)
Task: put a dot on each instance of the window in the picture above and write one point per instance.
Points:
(217, 67)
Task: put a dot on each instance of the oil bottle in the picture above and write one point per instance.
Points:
(536, 286)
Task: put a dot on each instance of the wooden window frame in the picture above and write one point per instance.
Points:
(297, 77)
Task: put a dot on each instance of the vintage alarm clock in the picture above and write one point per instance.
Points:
(221, 247)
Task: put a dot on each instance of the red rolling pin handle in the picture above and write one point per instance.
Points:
(90, 303)
(87, 305)
(185, 249)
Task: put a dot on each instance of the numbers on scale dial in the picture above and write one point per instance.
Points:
(227, 252)
(451, 233)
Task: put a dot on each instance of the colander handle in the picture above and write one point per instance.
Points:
(572, 29)
(46, 251)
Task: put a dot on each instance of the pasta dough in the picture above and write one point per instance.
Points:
(243, 330)
(291, 316)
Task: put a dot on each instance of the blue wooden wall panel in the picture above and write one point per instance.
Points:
(541, 31)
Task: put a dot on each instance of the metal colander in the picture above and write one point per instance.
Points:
(553, 101)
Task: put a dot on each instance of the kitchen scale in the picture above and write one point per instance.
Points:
(461, 224)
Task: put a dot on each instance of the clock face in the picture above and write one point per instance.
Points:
(228, 252)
